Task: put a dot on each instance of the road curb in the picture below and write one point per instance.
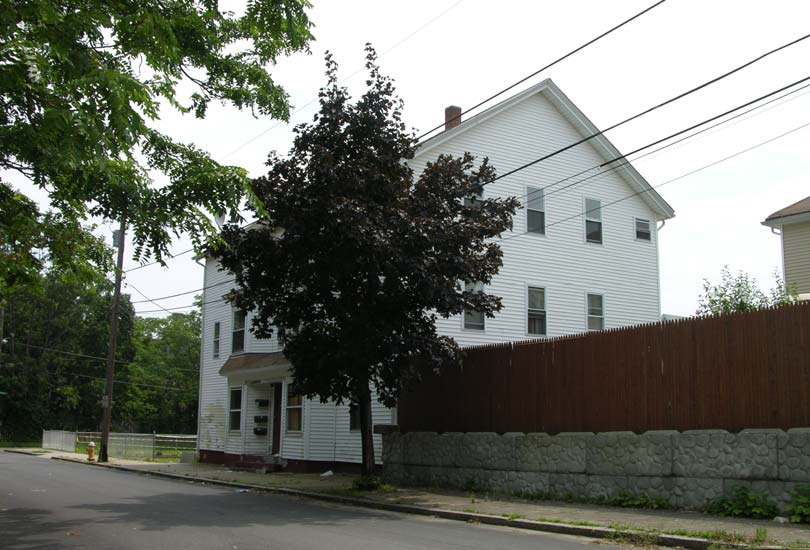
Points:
(21, 452)
(691, 543)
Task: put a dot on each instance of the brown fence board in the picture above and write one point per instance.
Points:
(736, 371)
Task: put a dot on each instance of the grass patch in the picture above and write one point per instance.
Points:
(577, 522)
(512, 516)
(744, 503)
(20, 444)
(623, 499)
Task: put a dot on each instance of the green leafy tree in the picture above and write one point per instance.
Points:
(82, 82)
(163, 376)
(741, 293)
(48, 367)
(354, 259)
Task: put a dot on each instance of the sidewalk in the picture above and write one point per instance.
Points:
(514, 512)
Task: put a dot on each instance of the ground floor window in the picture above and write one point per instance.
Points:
(354, 417)
(295, 411)
(235, 409)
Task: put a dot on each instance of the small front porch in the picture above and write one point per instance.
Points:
(253, 428)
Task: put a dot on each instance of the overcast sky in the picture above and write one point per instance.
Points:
(466, 50)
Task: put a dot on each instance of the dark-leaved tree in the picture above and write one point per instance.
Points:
(354, 259)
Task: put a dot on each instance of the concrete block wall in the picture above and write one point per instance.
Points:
(687, 468)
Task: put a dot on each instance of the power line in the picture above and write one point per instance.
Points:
(587, 138)
(171, 309)
(677, 178)
(147, 298)
(153, 300)
(137, 267)
(73, 373)
(82, 355)
(538, 71)
(85, 356)
(623, 158)
(313, 100)
(676, 134)
(650, 109)
(602, 207)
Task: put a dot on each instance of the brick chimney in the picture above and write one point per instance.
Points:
(452, 117)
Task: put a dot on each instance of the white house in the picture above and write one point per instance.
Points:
(583, 255)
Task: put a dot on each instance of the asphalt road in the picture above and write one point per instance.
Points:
(50, 504)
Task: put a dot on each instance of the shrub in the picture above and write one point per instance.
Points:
(744, 503)
(799, 507)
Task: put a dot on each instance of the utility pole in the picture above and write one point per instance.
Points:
(106, 400)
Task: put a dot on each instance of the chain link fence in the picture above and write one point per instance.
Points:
(157, 447)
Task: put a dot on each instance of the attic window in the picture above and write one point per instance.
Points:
(643, 231)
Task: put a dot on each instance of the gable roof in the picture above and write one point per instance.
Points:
(796, 212)
(581, 124)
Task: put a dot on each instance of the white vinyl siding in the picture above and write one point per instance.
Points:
(563, 261)
(796, 251)
(213, 406)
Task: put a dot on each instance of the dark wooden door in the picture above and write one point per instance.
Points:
(276, 418)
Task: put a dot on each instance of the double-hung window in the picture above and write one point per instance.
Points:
(643, 230)
(354, 417)
(593, 221)
(596, 312)
(474, 320)
(238, 333)
(537, 311)
(235, 409)
(295, 411)
(474, 201)
(535, 210)
(216, 339)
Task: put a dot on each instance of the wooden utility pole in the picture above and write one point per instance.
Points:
(106, 400)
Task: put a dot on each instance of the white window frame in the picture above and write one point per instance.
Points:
(243, 330)
(464, 314)
(354, 409)
(529, 288)
(588, 311)
(592, 218)
(232, 410)
(288, 407)
(469, 202)
(216, 340)
(649, 226)
(542, 197)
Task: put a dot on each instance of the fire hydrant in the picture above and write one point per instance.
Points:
(91, 448)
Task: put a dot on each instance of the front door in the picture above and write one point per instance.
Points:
(276, 446)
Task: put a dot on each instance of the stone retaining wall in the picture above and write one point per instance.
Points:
(686, 468)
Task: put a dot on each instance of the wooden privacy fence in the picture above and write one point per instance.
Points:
(735, 371)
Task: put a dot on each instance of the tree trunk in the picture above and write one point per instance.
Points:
(366, 428)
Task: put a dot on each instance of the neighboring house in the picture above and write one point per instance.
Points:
(792, 223)
(563, 272)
